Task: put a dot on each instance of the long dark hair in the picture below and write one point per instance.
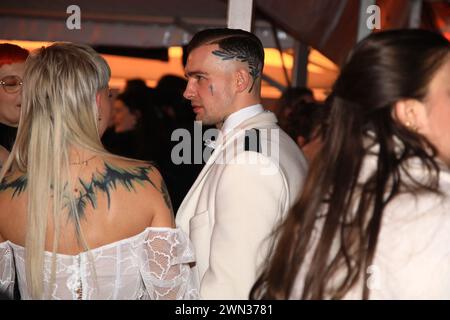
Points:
(383, 69)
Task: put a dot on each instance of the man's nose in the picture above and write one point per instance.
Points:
(188, 92)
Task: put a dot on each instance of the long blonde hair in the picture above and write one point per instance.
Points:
(59, 110)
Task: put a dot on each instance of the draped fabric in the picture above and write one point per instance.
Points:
(151, 265)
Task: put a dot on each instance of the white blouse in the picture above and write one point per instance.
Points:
(153, 264)
(412, 257)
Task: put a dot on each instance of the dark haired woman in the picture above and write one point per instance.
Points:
(373, 220)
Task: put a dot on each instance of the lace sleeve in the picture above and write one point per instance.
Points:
(7, 271)
(165, 268)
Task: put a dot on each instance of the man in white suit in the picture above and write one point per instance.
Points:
(254, 174)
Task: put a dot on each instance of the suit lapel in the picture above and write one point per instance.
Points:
(263, 119)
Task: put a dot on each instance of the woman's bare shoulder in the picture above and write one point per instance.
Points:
(12, 198)
(146, 180)
(13, 184)
(142, 171)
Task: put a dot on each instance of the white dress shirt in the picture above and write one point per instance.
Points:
(236, 118)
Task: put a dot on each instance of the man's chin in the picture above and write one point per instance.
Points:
(205, 122)
(198, 117)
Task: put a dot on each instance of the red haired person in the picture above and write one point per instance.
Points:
(12, 58)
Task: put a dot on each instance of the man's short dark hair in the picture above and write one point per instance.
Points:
(234, 44)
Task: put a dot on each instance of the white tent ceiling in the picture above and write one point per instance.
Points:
(329, 26)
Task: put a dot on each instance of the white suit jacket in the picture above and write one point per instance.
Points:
(235, 203)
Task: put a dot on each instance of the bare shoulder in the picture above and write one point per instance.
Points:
(13, 184)
(145, 179)
(141, 172)
(12, 199)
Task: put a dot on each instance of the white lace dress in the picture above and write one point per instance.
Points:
(153, 264)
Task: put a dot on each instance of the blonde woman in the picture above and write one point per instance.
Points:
(75, 221)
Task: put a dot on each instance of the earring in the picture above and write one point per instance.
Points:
(411, 126)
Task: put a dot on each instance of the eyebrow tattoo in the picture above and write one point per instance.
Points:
(241, 56)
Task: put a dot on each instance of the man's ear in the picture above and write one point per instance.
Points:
(412, 114)
(243, 80)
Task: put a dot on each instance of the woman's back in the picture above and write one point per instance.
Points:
(116, 199)
(125, 218)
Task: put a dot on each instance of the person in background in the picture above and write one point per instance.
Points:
(126, 136)
(306, 125)
(289, 101)
(176, 115)
(12, 58)
(175, 107)
(373, 220)
(77, 222)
